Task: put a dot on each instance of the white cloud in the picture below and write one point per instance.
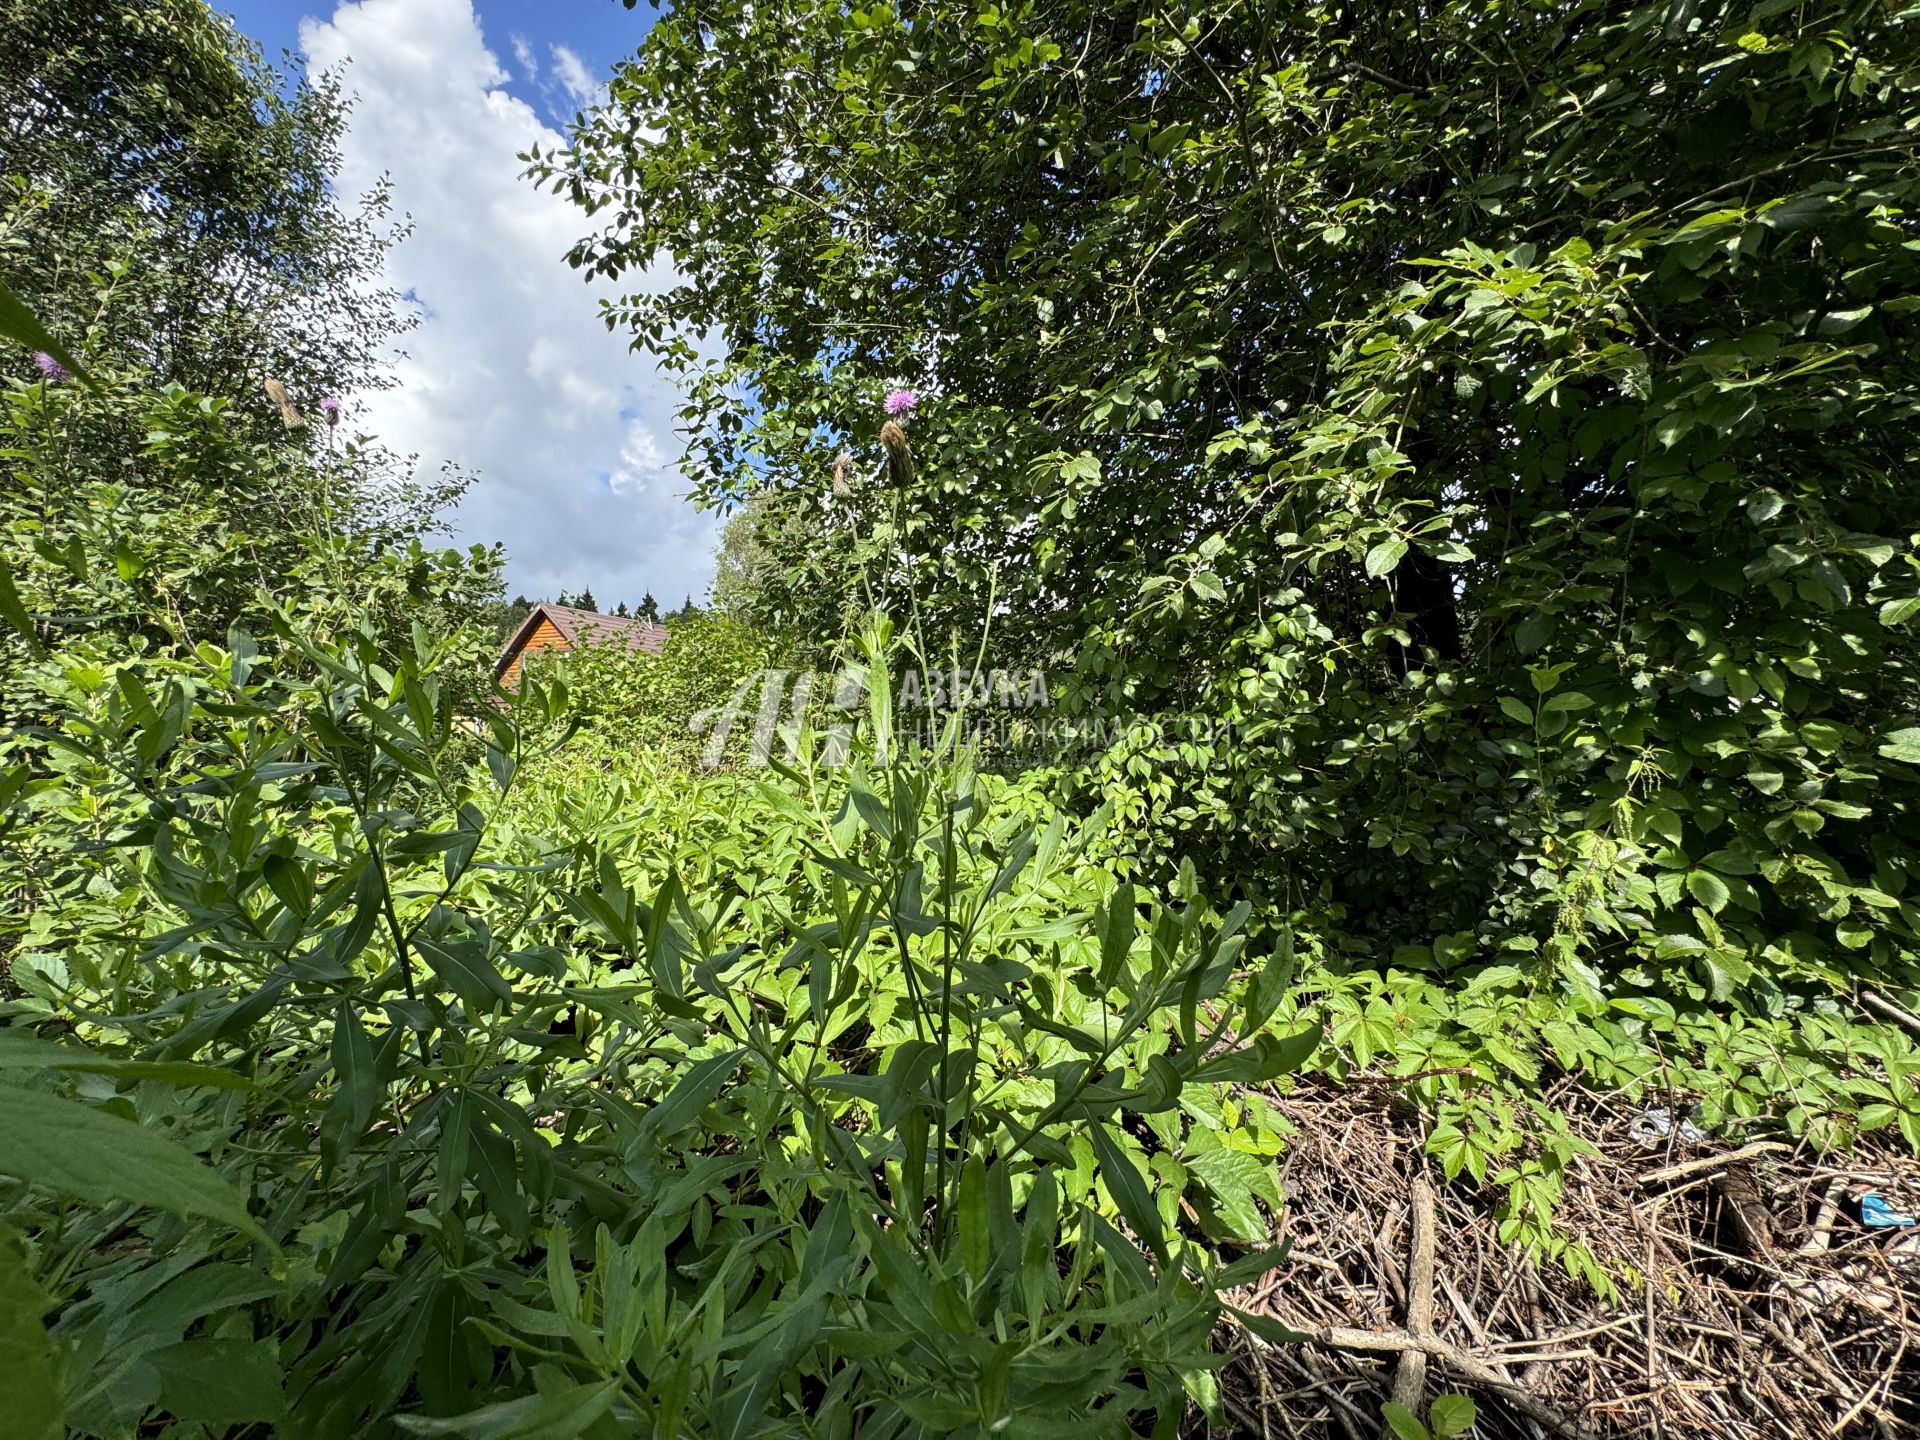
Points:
(511, 374)
(523, 52)
(578, 81)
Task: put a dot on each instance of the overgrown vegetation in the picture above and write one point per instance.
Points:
(1455, 457)
(1451, 465)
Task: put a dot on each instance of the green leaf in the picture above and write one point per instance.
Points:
(357, 1089)
(1708, 889)
(1732, 861)
(1902, 745)
(1117, 924)
(88, 1154)
(1516, 709)
(1403, 1422)
(1898, 612)
(30, 1391)
(1129, 1190)
(18, 323)
(696, 1091)
(559, 1413)
(976, 1235)
(1235, 1179)
(12, 610)
(1269, 986)
(490, 1162)
(464, 969)
(1268, 1328)
(1838, 322)
(1534, 631)
(220, 1382)
(1255, 1266)
(20, 1050)
(1384, 557)
(126, 563)
(1267, 1059)
(1451, 1415)
(290, 882)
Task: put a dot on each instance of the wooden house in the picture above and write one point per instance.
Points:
(561, 627)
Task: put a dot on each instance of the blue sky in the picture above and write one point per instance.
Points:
(511, 374)
(599, 32)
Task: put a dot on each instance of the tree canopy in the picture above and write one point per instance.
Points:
(1488, 425)
(168, 194)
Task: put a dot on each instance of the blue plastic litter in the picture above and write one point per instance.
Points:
(1876, 1214)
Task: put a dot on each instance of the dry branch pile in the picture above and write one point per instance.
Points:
(1771, 1309)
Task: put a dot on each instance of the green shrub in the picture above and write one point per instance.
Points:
(1468, 455)
(655, 702)
(350, 1096)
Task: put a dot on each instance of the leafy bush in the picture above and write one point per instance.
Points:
(339, 1094)
(835, 1116)
(653, 702)
(1462, 459)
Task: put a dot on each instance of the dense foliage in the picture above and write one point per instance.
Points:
(1450, 460)
(713, 1105)
(166, 210)
(1466, 448)
(166, 193)
(665, 704)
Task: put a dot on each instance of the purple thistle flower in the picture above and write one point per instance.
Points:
(901, 402)
(50, 367)
(330, 407)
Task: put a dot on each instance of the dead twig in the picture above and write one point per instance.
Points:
(1410, 1379)
(1707, 1163)
(1890, 1010)
(1342, 1337)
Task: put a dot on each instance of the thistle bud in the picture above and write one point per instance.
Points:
(899, 454)
(289, 416)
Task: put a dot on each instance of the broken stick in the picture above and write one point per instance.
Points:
(1410, 1378)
